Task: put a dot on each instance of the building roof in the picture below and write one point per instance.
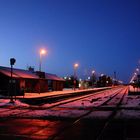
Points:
(53, 77)
(20, 73)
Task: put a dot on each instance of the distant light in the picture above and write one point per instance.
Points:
(69, 78)
(132, 82)
(65, 77)
(88, 78)
(137, 69)
(43, 51)
(102, 74)
(80, 79)
(120, 82)
(76, 65)
(135, 73)
(107, 82)
(93, 71)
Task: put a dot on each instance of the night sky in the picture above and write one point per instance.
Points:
(101, 35)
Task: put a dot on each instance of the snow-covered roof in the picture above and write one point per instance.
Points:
(53, 77)
(18, 73)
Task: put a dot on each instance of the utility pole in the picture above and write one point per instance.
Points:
(76, 65)
(115, 80)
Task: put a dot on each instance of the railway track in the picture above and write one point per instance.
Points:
(113, 94)
(23, 110)
(111, 116)
(108, 120)
(56, 98)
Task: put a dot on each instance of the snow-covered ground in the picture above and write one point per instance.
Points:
(7, 103)
(74, 109)
(132, 89)
(128, 114)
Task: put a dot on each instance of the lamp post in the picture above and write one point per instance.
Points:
(138, 78)
(76, 65)
(93, 77)
(137, 70)
(115, 78)
(42, 52)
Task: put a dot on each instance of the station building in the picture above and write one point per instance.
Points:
(29, 81)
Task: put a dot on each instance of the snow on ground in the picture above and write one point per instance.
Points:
(28, 113)
(98, 115)
(131, 101)
(6, 102)
(128, 114)
(116, 100)
(61, 111)
(92, 101)
(73, 109)
(54, 113)
(12, 112)
(84, 102)
(132, 89)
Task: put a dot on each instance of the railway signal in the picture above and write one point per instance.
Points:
(12, 62)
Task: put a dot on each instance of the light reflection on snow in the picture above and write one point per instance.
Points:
(72, 109)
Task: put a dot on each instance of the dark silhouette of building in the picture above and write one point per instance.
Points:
(104, 81)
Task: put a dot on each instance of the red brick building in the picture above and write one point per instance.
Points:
(30, 81)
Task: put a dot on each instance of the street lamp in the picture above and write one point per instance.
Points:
(102, 75)
(42, 52)
(138, 71)
(93, 71)
(93, 77)
(76, 65)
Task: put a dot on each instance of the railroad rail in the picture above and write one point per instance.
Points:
(108, 120)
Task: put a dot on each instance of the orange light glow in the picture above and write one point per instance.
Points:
(43, 51)
(76, 65)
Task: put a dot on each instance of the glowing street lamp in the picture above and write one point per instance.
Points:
(102, 75)
(42, 52)
(93, 77)
(137, 70)
(135, 74)
(93, 71)
(89, 78)
(76, 65)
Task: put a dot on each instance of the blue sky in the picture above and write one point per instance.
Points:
(103, 35)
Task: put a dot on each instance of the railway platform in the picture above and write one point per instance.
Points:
(56, 93)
